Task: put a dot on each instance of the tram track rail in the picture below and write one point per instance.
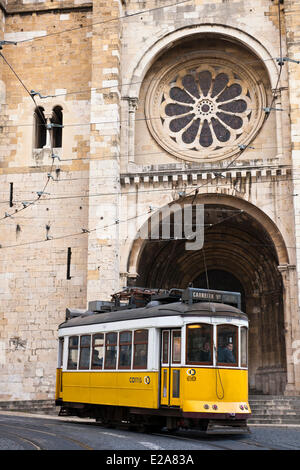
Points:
(16, 437)
(36, 445)
(198, 437)
(202, 437)
(78, 434)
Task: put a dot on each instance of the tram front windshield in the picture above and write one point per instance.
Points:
(200, 347)
(199, 344)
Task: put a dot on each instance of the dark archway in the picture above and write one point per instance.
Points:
(238, 254)
(220, 280)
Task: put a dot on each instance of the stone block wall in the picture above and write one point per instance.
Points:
(35, 239)
(96, 60)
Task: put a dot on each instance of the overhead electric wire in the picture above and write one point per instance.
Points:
(122, 17)
(88, 231)
(129, 15)
(195, 191)
(118, 222)
(39, 193)
(160, 173)
(147, 191)
(274, 96)
(32, 97)
(150, 80)
(220, 170)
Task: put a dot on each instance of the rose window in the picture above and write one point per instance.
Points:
(205, 111)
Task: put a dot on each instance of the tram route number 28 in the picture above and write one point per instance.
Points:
(191, 375)
(191, 379)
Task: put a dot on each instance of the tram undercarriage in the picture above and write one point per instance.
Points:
(145, 420)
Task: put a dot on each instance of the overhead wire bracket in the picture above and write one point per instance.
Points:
(37, 93)
(267, 110)
(40, 193)
(4, 43)
(244, 147)
(282, 60)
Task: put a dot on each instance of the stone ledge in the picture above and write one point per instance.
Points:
(15, 9)
(195, 176)
(30, 406)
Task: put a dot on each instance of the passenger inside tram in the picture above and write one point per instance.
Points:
(205, 354)
(226, 355)
(227, 344)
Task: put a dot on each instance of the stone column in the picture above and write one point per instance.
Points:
(129, 131)
(253, 310)
(292, 26)
(48, 144)
(291, 324)
(103, 249)
(132, 107)
(292, 21)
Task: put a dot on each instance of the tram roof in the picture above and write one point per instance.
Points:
(164, 310)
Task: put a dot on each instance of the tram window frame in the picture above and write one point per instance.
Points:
(244, 328)
(173, 344)
(139, 343)
(125, 343)
(202, 363)
(95, 337)
(60, 359)
(83, 347)
(228, 364)
(114, 345)
(165, 353)
(71, 348)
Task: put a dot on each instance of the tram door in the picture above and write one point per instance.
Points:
(170, 367)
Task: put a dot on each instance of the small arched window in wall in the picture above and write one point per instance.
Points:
(57, 119)
(40, 132)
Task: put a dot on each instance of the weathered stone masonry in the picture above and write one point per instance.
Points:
(110, 69)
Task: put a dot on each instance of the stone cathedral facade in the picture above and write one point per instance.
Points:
(112, 110)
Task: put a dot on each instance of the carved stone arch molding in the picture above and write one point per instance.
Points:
(206, 107)
(261, 218)
(157, 44)
(48, 106)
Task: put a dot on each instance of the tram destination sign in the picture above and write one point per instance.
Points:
(206, 295)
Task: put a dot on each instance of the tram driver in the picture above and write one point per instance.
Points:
(226, 354)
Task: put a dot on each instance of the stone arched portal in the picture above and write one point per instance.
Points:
(239, 251)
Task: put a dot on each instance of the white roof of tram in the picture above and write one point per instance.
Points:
(204, 309)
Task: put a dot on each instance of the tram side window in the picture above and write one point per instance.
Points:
(165, 347)
(176, 347)
(85, 352)
(110, 351)
(199, 344)
(244, 347)
(140, 349)
(73, 352)
(227, 349)
(60, 353)
(125, 349)
(98, 351)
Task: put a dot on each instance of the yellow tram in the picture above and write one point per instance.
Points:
(178, 361)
